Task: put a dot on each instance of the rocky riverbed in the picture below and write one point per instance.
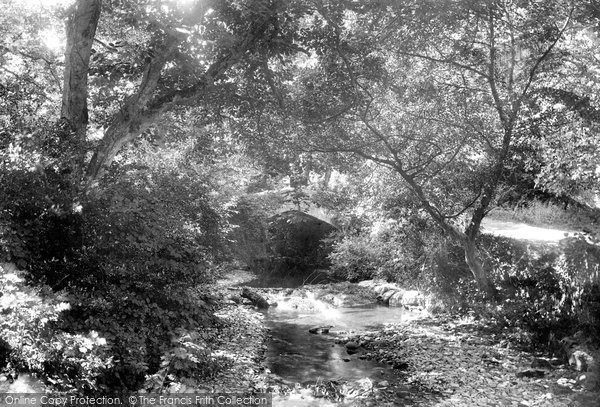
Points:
(431, 361)
(456, 363)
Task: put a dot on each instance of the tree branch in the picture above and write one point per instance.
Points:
(446, 61)
(27, 79)
(144, 108)
(538, 62)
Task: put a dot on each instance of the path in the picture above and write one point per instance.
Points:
(522, 231)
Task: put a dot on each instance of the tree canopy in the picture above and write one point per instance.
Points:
(135, 133)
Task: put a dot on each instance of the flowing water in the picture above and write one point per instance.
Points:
(297, 356)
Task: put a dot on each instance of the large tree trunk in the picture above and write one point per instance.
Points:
(474, 261)
(143, 108)
(81, 29)
(482, 277)
(129, 121)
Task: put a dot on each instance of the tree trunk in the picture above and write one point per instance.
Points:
(473, 260)
(81, 29)
(143, 108)
(466, 239)
(130, 121)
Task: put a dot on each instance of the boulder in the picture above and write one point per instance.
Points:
(384, 297)
(320, 329)
(233, 298)
(581, 360)
(381, 287)
(352, 347)
(402, 298)
(396, 299)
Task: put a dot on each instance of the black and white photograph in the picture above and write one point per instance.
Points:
(297, 203)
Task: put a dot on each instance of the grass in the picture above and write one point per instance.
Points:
(549, 215)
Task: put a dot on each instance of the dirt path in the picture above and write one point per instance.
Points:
(522, 231)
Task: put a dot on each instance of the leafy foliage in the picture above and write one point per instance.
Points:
(545, 293)
(126, 210)
(395, 251)
(31, 342)
(126, 259)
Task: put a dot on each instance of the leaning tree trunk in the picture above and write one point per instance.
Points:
(481, 276)
(130, 120)
(466, 239)
(473, 259)
(143, 108)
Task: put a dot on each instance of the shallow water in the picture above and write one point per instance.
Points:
(298, 356)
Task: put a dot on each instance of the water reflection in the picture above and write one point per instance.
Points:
(298, 356)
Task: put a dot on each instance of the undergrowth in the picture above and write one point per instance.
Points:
(545, 293)
(122, 259)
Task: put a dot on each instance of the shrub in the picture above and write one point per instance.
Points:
(125, 259)
(392, 250)
(545, 292)
(447, 275)
(355, 258)
(36, 217)
(29, 340)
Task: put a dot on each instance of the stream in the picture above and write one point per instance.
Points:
(298, 356)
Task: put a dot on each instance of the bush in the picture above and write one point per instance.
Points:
(447, 275)
(29, 341)
(545, 292)
(394, 250)
(356, 258)
(125, 259)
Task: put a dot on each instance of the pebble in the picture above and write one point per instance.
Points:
(454, 363)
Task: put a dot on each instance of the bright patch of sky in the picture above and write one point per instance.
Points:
(53, 40)
(185, 2)
(52, 37)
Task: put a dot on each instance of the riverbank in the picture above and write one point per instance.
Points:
(433, 361)
(459, 362)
